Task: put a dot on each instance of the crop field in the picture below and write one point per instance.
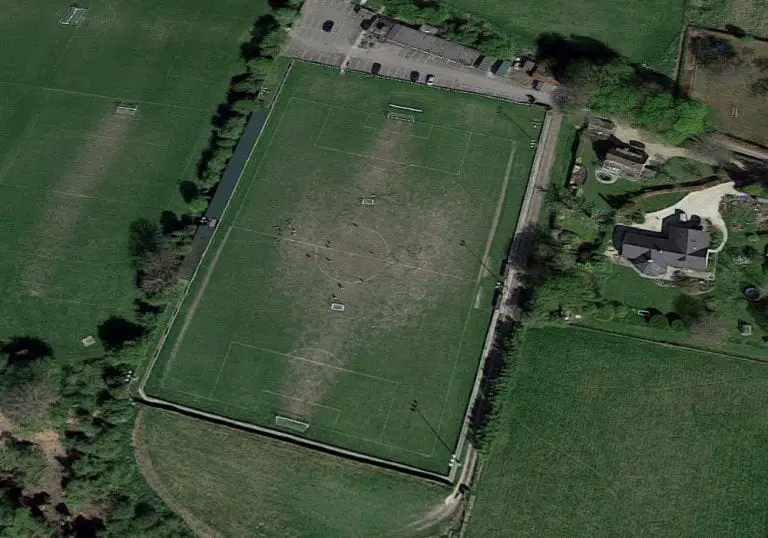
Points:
(646, 31)
(73, 173)
(605, 435)
(245, 485)
(348, 291)
(728, 88)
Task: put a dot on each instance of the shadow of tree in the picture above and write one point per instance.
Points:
(115, 333)
(559, 52)
(189, 191)
(24, 349)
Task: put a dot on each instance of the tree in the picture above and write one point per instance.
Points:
(29, 401)
(285, 16)
(144, 238)
(233, 128)
(158, 271)
(19, 462)
(760, 86)
(658, 321)
(24, 350)
(690, 308)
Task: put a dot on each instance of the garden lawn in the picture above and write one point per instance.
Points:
(604, 435)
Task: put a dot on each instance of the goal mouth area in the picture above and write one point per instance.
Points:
(292, 424)
(73, 16)
(397, 116)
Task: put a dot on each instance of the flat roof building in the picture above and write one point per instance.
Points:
(397, 32)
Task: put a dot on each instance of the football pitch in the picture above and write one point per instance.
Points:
(347, 293)
(74, 173)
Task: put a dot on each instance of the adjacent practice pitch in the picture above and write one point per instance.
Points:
(603, 435)
(348, 291)
(104, 110)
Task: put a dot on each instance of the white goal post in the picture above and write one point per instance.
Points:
(291, 424)
(408, 108)
(73, 16)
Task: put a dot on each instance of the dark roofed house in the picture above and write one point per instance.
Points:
(397, 32)
(681, 244)
(627, 161)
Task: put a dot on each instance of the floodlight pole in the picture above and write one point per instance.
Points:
(415, 408)
(463, 243)
(500, 111)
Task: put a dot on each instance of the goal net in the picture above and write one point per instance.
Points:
(291, 424)
(73, 16)
(410, 118)
(126, 109)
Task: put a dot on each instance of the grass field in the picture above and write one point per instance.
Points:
(256, 337)
(605, 436)
(245, 485)
(72, 174)
(728, 90)
(749, 15)
(647, 31)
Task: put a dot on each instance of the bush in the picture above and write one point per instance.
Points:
(619, 89)
(198, 206)
(658, 321)
(677, 324)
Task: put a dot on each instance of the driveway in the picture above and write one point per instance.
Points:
(343, 47)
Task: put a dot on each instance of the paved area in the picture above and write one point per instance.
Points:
(347, 47)
(704, 203)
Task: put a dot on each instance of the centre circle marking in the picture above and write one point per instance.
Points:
(351, 254)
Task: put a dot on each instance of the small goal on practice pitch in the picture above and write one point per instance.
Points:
(73, 16)
(126, 109)
(291, 424)
(401, 117)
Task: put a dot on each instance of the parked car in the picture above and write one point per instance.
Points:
(430, 80)
(327, 26)
(415, 76)
(536, 85)
(375, 68)
(531, 98)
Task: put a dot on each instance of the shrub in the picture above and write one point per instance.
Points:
(198, 206)
(658, 321)
(677, 324)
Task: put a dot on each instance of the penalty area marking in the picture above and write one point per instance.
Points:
(193, 307)
(481, 271)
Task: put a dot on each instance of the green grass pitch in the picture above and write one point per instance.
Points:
(256, 336)
(72, 175)
(607, 436)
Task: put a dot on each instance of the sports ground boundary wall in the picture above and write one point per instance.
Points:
(217, 209)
